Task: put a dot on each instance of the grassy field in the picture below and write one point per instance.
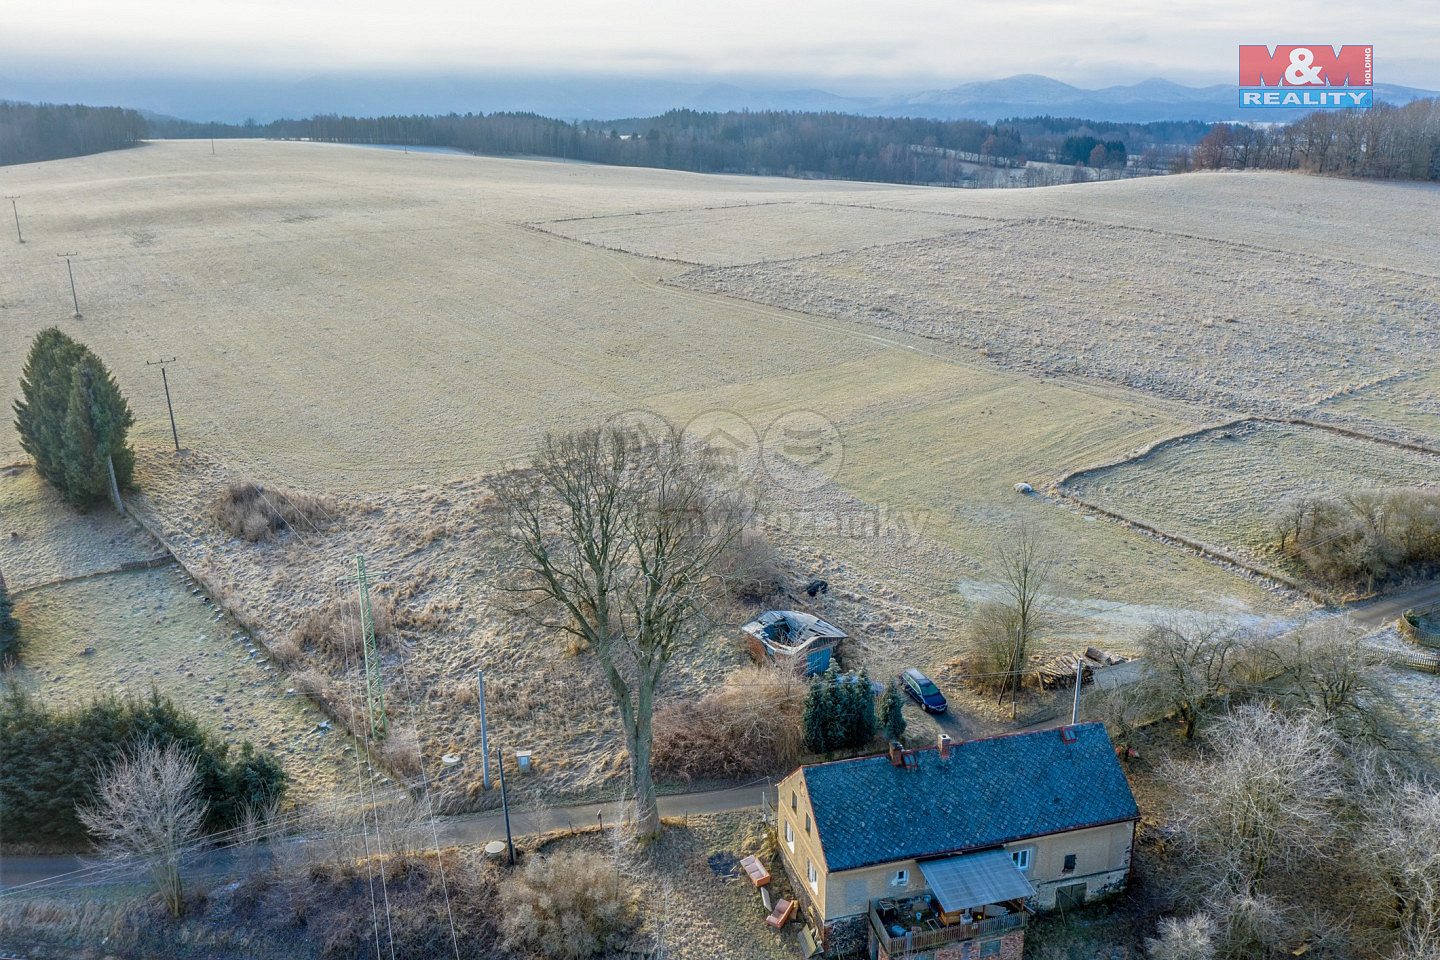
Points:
(390, 328)
(1223, 487)
(1204, 321)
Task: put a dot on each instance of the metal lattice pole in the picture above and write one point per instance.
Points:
(374, 692)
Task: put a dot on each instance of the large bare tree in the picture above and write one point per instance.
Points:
(613, 539)
(1003, 628)
(148, 806)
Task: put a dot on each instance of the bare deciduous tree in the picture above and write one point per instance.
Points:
(1002, 629)
(149, 807)
(1402, 840)
(613, 541)
(1187, 664)
(1190, 939)
(1264, 799)
(1329, 668)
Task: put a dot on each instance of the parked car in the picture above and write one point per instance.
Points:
(922, 691)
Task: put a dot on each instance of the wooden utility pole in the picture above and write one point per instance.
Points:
(71, 270)
(166, 381)
(16, 210)
(114, 487)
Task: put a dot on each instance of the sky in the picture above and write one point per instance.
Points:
(848, 46)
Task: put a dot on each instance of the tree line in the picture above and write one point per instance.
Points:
(1384, 142)
(31, 132)
(767, 143)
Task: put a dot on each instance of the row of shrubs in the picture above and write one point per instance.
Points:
(1362, 539)
(50, 760)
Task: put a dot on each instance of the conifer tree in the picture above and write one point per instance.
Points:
(9, 628)
(819, 705)
(72, 419)
(892, 713)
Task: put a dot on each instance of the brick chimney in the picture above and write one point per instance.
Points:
(944, 744)
(897, 754)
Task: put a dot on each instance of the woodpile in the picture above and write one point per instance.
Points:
(1059, 670)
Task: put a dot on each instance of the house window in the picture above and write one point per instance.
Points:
(789, 836)
(807, 823)
(902, 877)
(812, 876)
(794, 801)
(1069, 863)
(1021, 857)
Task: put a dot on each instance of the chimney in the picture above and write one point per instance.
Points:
(944, 744)
(897, 754)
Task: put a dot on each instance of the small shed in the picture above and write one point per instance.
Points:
(789, 636)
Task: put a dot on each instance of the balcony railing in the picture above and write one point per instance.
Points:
(928, 939)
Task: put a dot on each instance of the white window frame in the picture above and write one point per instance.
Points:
(901, 878)
(813, 876)
(1022, 858)
(789, 836)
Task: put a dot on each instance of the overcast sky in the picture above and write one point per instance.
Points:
(846, 45)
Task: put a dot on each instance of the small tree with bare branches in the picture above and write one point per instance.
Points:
(148, 806)
(613, 540)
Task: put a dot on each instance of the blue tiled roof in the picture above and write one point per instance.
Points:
(988, 792)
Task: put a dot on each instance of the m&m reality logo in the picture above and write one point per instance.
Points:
(1313, 75)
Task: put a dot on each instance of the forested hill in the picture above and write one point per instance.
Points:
(32, 132)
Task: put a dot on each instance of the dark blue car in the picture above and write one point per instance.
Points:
(922, 691)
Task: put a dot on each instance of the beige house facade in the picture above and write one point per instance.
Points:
(886, 849)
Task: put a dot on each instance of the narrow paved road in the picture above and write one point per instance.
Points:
(1376, 613)
(471, 829)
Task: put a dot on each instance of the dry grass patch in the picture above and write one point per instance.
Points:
(748, 727)
(255, 512)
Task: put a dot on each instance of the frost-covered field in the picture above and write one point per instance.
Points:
(390, 327)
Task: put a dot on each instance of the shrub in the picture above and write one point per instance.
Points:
(568, 906)
(255, 512)
(49, 761)
(334, 629)
(750, 568)
(72, 419)
(748, 727)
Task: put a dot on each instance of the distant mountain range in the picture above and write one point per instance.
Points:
(612, 98)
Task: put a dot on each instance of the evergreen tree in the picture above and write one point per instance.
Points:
(837, 726)
(819, 705)
(72, 419)
(892, 713)
(864, 729)
(9, 628)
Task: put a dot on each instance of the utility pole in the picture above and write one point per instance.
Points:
(484, 741)
(374, 692)
(16, 210)
(71, 270)
(173, 433)
(1079, 678)
(505, 804)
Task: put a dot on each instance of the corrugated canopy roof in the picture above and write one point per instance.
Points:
(976, 879)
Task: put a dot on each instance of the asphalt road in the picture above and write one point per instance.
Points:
(452, 831)
(1376, 613)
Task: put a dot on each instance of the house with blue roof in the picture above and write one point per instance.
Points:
(945, 852)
